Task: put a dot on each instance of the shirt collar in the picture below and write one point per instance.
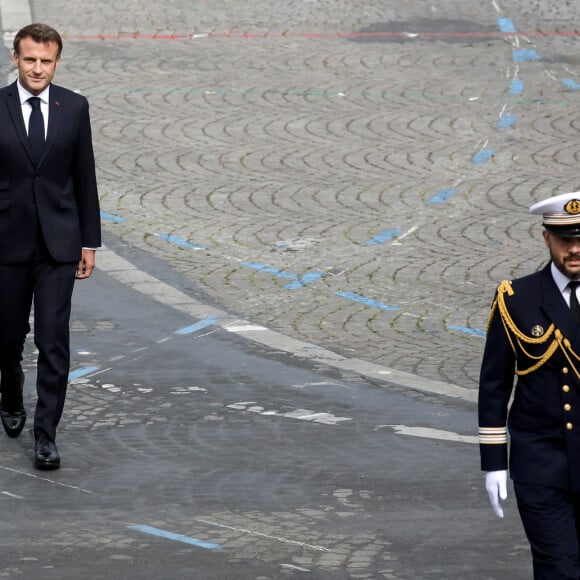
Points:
(25, 94)
(561, 280)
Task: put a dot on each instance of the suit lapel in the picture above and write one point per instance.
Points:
(15, 112)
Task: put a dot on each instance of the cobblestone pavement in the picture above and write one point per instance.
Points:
(352, 174)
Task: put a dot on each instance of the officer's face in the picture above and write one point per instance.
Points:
(565, 253)
(37, 62)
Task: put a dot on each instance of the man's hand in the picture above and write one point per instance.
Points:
(86, 265)
(496, 486)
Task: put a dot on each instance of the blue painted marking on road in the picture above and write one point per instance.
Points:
(442, 195)
(269, 270)
(198, 325)
(482, 156)
(506, 25)
(571, 84)
(516, 87)
(180, 242)
(176, 537)
(525, 55)
(304, 280)
(383, 237)
(367, 301)
(77, 373)
(507, 121)
(467, 330)
(297, 282)
(111, 218)
(294, 286)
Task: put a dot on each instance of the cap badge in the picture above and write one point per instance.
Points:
(537, 331)
(573, 206)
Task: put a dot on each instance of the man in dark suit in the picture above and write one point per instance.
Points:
(534, 333)
(49, 230)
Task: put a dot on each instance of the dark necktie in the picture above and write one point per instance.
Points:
(574, 305)
(36, 129)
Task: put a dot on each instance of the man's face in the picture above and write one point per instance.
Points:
(37, 62)
(565, 253)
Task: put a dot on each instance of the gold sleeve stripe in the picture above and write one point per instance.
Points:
(493, 435)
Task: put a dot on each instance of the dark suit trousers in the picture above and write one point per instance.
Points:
(49, 285)
(551, 520)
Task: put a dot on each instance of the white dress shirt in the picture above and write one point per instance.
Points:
(562, 283)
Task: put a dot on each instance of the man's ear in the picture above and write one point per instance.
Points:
(546, 238)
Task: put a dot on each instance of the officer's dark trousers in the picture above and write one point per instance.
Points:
(551, 520)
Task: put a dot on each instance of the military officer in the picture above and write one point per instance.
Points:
(534, 333)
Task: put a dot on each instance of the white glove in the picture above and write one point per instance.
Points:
(496, 486)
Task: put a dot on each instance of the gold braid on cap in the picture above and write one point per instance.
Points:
(516, 336)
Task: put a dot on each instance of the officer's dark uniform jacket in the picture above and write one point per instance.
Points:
(533, 333)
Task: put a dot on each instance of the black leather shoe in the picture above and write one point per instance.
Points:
(13, 421)
(46, 454)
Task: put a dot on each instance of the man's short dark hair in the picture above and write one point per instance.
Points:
(42, 33)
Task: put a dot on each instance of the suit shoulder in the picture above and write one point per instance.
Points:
(524, 289)
(8, 89)
(58, 92)
(527, 281)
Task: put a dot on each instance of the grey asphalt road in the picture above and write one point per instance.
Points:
(191, 453)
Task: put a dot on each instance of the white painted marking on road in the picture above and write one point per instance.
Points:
(292, 567)
(244, 328)
(277, 538)
(84, 377)
(11, 495)
(111, 388)
(397, 242)
(59, 483)
(430, 433)
(321, 384)
(241, 406)
(187, 390)
(300, 414)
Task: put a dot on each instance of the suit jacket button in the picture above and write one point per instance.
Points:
(567, 407)
(569, 426)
